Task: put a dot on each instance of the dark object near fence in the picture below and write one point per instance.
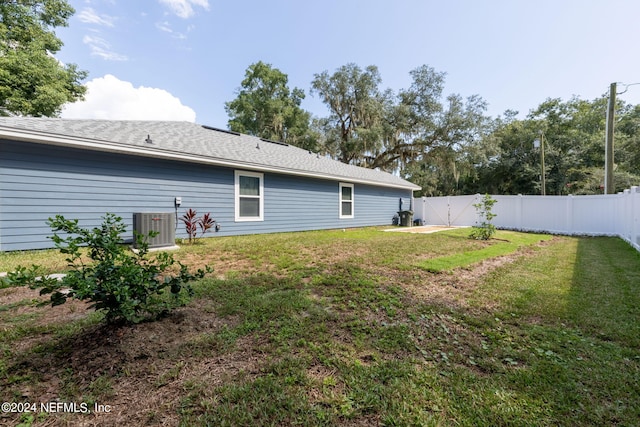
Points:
(406, 218)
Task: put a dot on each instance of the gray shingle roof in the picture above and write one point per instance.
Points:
(198, 143)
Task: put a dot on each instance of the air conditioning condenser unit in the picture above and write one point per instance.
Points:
(162, 222)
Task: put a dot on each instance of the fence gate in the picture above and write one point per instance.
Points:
(457, 210)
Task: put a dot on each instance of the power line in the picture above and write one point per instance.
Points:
(626, 87)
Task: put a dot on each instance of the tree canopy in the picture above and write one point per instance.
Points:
(353, 131)
(376, 128)
(32, 81)
(444, 143)
(267, 108)
(573, 133)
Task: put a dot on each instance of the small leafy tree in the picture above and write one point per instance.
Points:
(128, 286)
(484, 229)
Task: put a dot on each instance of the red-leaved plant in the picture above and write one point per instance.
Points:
(192, 223)
(206, 223)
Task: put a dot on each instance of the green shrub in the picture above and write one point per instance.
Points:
(128, 286)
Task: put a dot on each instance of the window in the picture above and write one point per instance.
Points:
(249, 196)
(346, 200)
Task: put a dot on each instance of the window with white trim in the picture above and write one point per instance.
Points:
(346, 200)
(249, 189)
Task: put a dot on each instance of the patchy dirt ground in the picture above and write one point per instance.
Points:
(424, 229)
(149, 362)
(141, 373)
(453, 288)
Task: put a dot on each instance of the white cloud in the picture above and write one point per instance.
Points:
(89, 16)
(166, 27)
(101, 48)
(184, 8)
(110, 98)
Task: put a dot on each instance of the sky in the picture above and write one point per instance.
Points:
(183, 59)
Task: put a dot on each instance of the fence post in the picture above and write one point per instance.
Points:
(519, 212)
(424, 210)
(634, 195)
(625, 218)
(569, 214)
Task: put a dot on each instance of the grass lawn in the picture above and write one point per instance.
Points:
(355, 328)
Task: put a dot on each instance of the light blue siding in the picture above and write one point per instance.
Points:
(39, 181)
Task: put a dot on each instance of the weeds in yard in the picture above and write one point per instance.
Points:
(338, 335)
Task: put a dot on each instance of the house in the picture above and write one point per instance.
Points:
(85, 168)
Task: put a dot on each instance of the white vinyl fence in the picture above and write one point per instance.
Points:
(600, 215)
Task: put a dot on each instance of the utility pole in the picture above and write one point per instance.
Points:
(544, 180)
(540, 143)
(609, 187)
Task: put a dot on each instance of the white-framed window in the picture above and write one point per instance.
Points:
(346, 200)
(249, 189)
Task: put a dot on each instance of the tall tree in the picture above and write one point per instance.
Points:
(513, 167)
(440, 140)
(379, 129)
(267, 108)
(353, 130)
(32, 81)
